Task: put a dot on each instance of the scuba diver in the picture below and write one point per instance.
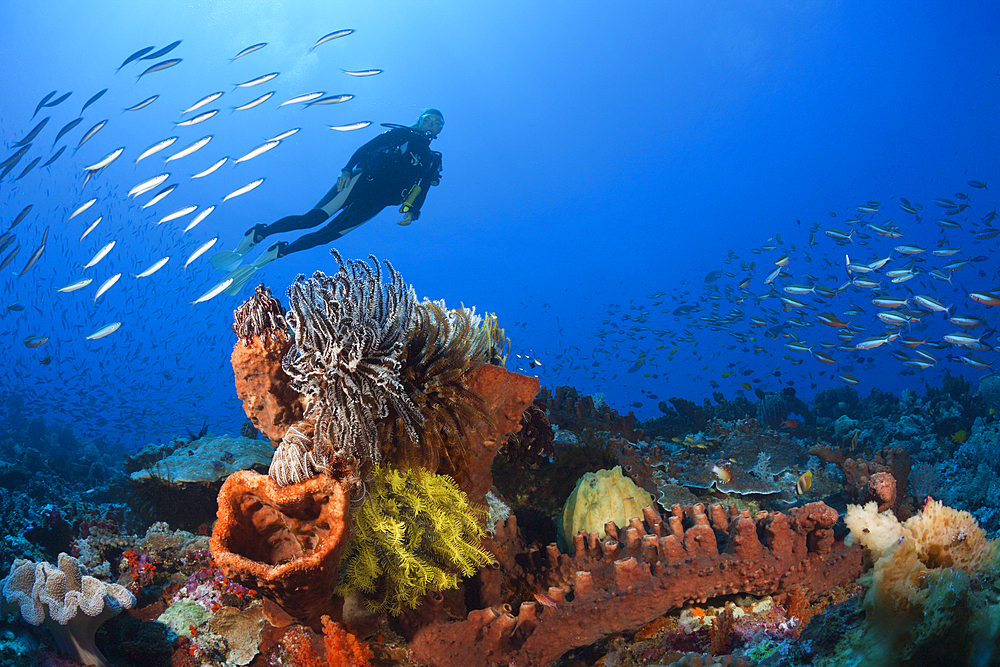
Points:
(394, 169)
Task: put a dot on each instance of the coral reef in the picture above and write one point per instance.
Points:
(416, 533)
(284, 541)
(600, 497)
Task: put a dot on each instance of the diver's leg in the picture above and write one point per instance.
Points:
(348, 219)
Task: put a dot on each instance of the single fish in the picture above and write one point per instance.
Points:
(106, 330)
(93, 225)
(16, 307)
(28, 168)
(179, 213)
(60, 100)
(248, 50)
(202, 249)
(259, 150)
(145, 103)
(804, 483)
(156, 148)
(81, 208)
(35, 255)
(42, 104)
(160, 195)
(54, 157)
(106, 285)
(356, 126)
(930, 303)
(211, 169)
(331, 99)
(154, 268)
(148, 184)
(135, 56)
(363, 72)
(34, 132)
(198, 218)
(93, 99)
(90, 133)
(985, 298)
(285, 134)
(20, 216)
(190, 148)
(215, 291)
(208, 99)
(9, 258)
(256, 82)
(242, 191)
(66, 128)
(159, 67)
(46, 360)
(35, 341)
(333, 35)
(201, 118)
(15, 158)
(162, 52)
(253, 103)
(307, 97)
(75, 285)
(101, 254)
(108, 159)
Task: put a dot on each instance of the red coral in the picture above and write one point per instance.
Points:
(343, 649)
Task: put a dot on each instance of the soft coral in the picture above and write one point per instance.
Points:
(343, 649)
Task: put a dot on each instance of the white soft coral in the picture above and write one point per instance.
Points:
(72, 606)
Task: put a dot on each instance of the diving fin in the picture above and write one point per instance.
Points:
(240, 277)
(226, 260)
(269, 256)
(247, 243)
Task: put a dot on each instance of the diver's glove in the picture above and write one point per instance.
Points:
(344, 179)
(407, 219)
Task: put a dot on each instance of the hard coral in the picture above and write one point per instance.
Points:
(71, 606)
(415, 533)
(285, 542)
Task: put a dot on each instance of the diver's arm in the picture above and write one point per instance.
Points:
(431, 177)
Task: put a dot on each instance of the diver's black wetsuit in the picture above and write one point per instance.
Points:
(390, 164)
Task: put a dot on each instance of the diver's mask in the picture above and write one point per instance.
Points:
(430, 124)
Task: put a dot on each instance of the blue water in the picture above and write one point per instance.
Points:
(594, 154)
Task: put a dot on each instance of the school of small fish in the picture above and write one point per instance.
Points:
(103, 284)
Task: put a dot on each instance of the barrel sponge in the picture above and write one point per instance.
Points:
(599, 497)
(71, 606)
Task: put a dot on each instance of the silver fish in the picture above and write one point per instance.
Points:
(101, 254)
(179, 213)
(253, 103)
(208, 99)
(20, 216)
(307, 97)
(156, 148)
(147, 185)
(353, 126)
(363, 72)
(202, 249)
(90, 133)
(74, 286)
(190, 148)
(242, 191)
(154, 268)
(162, 52)
(198, 218)
(81, 208)
(9, 258)
(256, 82)
(34, 132)
(108, 159)
(248, 50)
(331, 99)
(145, 103)
(59, 101)
(211, 169)
(160, 195)
(215, 291)
(93, 99)
(285, 134)
(106, 285)
(135, 56)
(201, 118)
(159, 67)
(35, 255)
(42, 104)
(259, 150)
(28, 168)
(66, 128)
(333, 35)
(93, 225)
(106, 330)
(54, 157)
